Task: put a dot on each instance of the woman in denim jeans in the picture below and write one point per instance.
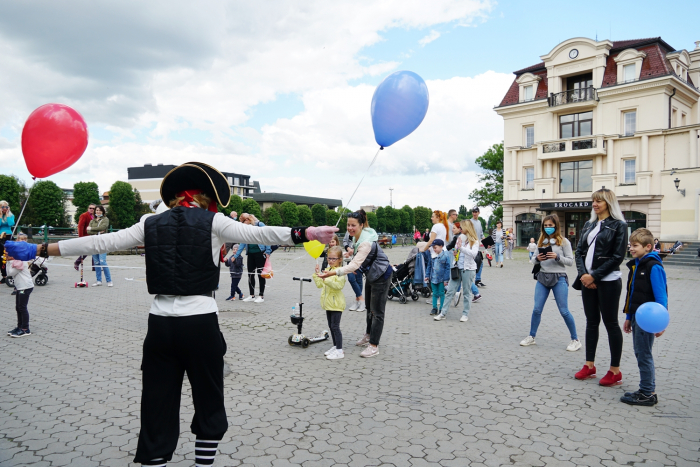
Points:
(99, 225)
(552, 277)
(355, 278)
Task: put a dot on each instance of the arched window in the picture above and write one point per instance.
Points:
(528, 226)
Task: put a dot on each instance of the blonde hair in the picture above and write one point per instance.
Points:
(253, 220)
(642, 236)
(558, 239)
(337, 250)
(468, 230)
(611, 200)
(9, 211)
(200, 198)
(22, 237)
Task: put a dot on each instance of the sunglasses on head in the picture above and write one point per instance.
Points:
(355, 215)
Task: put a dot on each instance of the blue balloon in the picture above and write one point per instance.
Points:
(399, 105)
(652, 317)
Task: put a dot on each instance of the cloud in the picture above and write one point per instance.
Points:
(429, 38)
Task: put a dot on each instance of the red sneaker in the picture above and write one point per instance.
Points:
(611, 379)
(585, 373)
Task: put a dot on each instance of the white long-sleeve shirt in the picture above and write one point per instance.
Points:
(22, 277)
(223, 230)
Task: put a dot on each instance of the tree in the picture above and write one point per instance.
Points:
(422, 218)
(392, 219)
(332, 217)
(46, 205)
(290, 214)
(84, 194)
(234, 204)
(140, 208)
(381, 219)
(463, 211)
(305, 217)
(10, 190)
(407, 228)
(491, 162)
(250, 206)
(121, 205)
(318, 211)
(483, 224)
(405, 221)
(272, 217)
(372, 219)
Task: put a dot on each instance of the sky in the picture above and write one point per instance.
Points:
(281, 90)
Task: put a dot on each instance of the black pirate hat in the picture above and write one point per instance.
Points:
(196, 176)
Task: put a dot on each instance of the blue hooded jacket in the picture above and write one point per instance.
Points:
(657, 278)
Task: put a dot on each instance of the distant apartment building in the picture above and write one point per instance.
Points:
(147, 180)
(623, 115)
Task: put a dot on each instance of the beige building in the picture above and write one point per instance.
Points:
(624, 115)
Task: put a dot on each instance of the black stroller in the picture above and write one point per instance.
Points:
(401, 284)
(39, 273)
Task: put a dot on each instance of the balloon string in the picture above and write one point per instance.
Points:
(29, 193)
(358, 185)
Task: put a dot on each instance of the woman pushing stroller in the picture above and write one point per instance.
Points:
(183, 330)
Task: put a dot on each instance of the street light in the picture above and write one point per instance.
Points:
(677, 182)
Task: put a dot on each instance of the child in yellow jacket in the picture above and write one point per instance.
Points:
(333, 300)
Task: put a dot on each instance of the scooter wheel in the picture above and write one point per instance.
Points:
(76, 285)
(290, 341)
(42, 280)
(305, 342)
(403, 300)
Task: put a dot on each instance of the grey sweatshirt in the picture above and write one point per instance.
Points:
(557, 266)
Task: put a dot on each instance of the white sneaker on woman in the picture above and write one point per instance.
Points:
(336, 354)
(97, 284)
(259, 299)
(529, 340)
(361, 306)
(574, 345)
(463, 319)
(110, 284)
(353, 307)
(329, 351)
(249, 298)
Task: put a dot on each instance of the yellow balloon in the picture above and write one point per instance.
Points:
(314, 248)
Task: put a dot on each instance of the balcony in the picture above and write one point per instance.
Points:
(574, 96)
(585, 146)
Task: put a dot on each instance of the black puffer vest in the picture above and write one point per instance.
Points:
(643, 291)
(179, 253)
(376, 264)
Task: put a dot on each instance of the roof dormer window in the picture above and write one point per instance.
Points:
(528, 87)
(680, 62)
(629, 65)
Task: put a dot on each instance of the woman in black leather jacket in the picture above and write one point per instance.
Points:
(601, 250)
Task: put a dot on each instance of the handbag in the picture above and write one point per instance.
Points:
(536, 270)
(267, 272)
(454, 273)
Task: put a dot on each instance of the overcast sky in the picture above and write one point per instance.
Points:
(281, 90)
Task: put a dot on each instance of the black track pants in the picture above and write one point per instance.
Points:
(603, 302)
(256, 263)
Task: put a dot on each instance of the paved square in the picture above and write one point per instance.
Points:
(440, 393)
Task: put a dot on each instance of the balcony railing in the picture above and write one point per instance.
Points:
(572, 96)
(578, 144)
(584, 144)
(554, 147)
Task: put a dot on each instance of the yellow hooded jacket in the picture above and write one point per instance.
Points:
(332, 298)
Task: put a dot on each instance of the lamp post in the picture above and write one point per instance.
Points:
(677, 182)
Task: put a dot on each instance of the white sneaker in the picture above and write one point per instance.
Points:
(455, 299)
(463, 319)
(97, 284)
(439, 317)
(110, 284)
(574, 345)
(354, 306)
(361, 306)
(249, 299)
(336, 354)
(429, 301)
(329, 351)
(529, 340)
(259, 300)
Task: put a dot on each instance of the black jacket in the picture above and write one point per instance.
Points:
(610, 248)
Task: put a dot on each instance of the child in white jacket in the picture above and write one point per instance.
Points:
(21, 272)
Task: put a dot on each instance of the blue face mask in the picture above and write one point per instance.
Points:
(549, 230)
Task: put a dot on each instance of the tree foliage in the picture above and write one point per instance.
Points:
(318, 211)
(305, 217)
(422, 218)
(491, 162)
(84, 194)
(463, 211)
(410, 222)
(290, 214)
(250, 206)
(45, 205)
(392, 219)
(381, 219)
(140, 208)
(10, 190)
(332, 217)
(272, 217)
(122, 202)
(372, 219)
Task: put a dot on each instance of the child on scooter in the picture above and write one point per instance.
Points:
(333, 300)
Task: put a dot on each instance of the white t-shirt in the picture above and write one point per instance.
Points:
(613, 276)
(440, 233)
(223, 230)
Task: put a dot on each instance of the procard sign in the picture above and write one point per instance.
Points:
(570, 206)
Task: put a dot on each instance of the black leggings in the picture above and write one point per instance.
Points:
(334, 325)
(375, 300)
(21, 300)
(603, 301)
(256, 262)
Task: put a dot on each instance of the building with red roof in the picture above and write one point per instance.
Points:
(623, 115)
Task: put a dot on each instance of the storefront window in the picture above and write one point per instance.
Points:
(527, 226)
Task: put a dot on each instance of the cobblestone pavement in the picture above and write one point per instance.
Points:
(440, 393)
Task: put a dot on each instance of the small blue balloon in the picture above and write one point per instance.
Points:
(399, 105)
(652, 317)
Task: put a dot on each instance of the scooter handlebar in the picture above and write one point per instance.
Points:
(301, 279)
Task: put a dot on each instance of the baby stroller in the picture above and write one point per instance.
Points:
(39, 273)
(417, 267)
(401, 282)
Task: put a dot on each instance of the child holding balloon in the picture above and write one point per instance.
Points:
(646, 284)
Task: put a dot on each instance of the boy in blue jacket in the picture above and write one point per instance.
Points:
(438, 274)
(646, 283)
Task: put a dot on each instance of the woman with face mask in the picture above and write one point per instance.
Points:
(552, 278)
(99, 225)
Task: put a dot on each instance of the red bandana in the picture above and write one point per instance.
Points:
(189, 200)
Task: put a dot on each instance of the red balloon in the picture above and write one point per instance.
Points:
(54, 137)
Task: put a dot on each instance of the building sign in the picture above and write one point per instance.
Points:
(571, 206)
